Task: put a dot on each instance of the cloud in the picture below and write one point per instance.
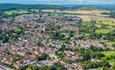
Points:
(61, 1)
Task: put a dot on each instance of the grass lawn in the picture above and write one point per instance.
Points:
(103, 31)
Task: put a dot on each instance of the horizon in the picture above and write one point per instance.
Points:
(61, 2)
(57, 4)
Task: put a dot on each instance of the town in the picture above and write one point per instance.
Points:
(55, 41)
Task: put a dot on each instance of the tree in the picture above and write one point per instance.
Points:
(86, 56)
(97, 55)
(113, 66)
(39, 43)
(112, 14)
(44, 68)
(79, 26)
(43, 57)
(59, 66)
(58, 36)
(29, 67)
(105, 68)
(113, 45)
(92, 29)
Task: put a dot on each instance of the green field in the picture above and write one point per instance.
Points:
(13, 12)
(107, 23)
(108, 54)
(103, 31)
(108, 27)
(110, 43)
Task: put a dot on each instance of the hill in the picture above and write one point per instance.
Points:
(7, 6)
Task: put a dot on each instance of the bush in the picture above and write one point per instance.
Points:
(43, 57)
(113, 45)
(89, 65)
(97, 55)
(57, 36)
(86, 56)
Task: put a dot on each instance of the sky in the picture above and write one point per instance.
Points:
(59, 1)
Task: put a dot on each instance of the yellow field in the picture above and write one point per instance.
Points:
(83, 12)
(87, 15)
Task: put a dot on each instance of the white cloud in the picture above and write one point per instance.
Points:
(61, 1)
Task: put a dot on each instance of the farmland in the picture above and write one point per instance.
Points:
(87, 15)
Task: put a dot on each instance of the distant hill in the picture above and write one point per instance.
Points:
(22, 6)
(98, 7)
(7, 6)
